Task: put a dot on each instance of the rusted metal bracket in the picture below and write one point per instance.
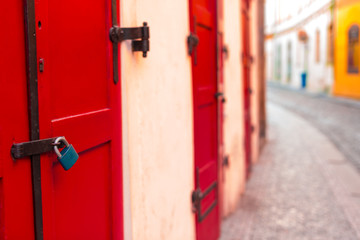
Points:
(118, 34)
(198, 195)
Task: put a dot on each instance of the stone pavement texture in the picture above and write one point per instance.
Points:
(337, 118)
(302, 187)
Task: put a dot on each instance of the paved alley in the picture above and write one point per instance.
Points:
(337, 118)
(303, 187)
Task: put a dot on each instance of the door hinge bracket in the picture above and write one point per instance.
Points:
(196, 198)
(226, 161)
(220, 95)
(192, 41)
(139, 36)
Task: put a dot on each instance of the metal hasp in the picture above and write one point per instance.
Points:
(26, 149)
(118, 34)
(198, 195)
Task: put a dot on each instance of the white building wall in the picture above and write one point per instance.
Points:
(157, 112)
(310, 18)
(269, 54)
(158, 157)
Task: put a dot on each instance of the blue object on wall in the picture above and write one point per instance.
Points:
(303, 79)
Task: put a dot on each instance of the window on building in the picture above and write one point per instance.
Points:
(297, 58)
(278, 63)
(353, 49)
(317, 46)
(330, 44)
(289, 62)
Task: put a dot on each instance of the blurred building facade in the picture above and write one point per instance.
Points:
(314, 45)
(165, 148)
(299, 43)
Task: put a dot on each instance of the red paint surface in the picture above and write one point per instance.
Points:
(78, 100)
(205, 111)
(16, 207)
(246, 58)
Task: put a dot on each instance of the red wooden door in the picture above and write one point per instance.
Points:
(204, 73)
(78, 99)
(246, 59)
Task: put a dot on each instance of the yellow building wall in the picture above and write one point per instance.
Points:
(347, 14)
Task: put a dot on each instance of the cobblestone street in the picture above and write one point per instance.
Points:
(337, 118)
(303, 187)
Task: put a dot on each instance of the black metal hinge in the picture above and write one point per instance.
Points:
(192, 41)
(196, 198)
(225, 51)
(226, 161)
(118, 34)
(221, 96)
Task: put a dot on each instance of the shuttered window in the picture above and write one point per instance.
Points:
(353, 49)
(317, 46)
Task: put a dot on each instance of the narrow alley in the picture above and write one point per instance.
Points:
(306, 184)
(337, 118)
(180, 120)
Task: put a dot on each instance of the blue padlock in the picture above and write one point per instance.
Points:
(68, 156)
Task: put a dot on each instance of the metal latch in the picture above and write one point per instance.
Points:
(118, 34)
(26, 149)
(199, 195)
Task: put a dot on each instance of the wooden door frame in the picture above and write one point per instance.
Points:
(220, 102)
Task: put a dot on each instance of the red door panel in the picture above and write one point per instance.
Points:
(16, 203)
(203, 23)
(79, 100)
